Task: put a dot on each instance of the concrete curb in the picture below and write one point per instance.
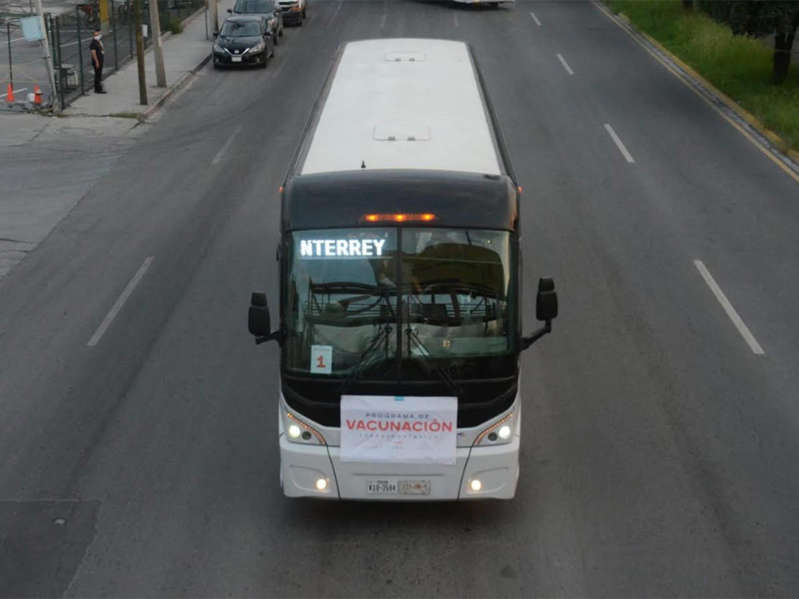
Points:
(184, 79)
(762, 135)
(180, 83)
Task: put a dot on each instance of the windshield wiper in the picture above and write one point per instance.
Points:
(442, 374)
(363, 362)
(382, 334)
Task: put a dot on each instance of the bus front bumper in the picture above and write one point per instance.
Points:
(317, 471)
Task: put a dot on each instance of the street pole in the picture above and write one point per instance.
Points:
(211, 21)
(10, 62)
(48, 61)
(139, 53)
(158, 49)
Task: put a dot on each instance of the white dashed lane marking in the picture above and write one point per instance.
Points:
(115, 309)
(731, 312)
(627, 156)
(565, 64)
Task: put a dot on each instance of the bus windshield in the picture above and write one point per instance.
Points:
(381, 296)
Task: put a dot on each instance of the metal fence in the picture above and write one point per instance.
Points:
(22, 67)
(70, 34)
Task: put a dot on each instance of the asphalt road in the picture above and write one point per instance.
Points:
(659, 450)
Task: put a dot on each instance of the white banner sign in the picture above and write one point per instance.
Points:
(401, 429)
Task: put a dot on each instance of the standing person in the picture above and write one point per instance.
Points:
(98, 55)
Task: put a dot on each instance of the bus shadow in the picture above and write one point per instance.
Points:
(461, 6)
(354, 517)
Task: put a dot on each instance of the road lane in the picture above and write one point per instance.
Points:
(645, 221)
(730, 202)
(656, 448)
(96, 247)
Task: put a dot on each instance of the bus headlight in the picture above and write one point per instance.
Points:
(498, 433)
(298, 431)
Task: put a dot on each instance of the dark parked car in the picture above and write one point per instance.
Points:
(243, 41)
(268, 9)
(294, 11)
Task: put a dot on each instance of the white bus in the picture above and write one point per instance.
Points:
(400, 324)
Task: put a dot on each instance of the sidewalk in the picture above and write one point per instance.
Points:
(184, 54)
(44, 159)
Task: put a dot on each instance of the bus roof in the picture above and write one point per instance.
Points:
(404, 104)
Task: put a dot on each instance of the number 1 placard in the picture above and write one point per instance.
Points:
(322, 359)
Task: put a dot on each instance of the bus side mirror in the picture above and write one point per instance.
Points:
(546, 301)
(546, 308)
(258, 319)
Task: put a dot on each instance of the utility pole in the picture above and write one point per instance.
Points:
(48, 59)
(211, 20)
(139, 53)
(158, 48)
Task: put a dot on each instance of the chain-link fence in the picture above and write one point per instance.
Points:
(22, 67)
(70, 34)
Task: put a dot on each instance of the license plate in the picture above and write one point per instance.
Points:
(235, 59)
(381, 487)
(397, 487)
(414, 487)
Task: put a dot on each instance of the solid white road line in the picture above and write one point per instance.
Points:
(225, 147)
(565, 64)
(120, 302)
(535, 18)
(627, 156)
(725, 303)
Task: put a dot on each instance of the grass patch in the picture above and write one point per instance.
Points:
(739, 66)
(174, 26)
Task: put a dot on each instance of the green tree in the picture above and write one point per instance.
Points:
(761, 17)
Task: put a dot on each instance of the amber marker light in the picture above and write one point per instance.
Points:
(400, 217)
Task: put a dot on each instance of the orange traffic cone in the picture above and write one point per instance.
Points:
(37, 95)
(10, 94)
